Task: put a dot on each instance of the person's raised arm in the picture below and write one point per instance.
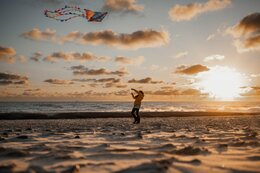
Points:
(135, 90)
(133, 95)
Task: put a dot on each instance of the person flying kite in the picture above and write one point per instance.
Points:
(66, 13)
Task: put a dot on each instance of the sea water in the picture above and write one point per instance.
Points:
(61, 107)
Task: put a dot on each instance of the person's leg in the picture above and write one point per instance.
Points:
(133, 114)
(138, 116)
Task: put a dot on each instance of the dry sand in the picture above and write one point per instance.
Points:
(173, 144)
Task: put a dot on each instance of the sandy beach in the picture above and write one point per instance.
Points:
(129, 86)
(158, 144)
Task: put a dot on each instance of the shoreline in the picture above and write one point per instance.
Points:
(83, 115)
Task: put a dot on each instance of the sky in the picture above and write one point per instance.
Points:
(173, 50)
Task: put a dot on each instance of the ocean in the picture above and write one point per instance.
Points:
(64, 107)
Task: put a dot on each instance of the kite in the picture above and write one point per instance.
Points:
(67, 13)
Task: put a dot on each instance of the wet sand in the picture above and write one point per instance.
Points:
(159, 144)
(77, 115)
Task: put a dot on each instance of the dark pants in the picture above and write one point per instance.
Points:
(135, 113)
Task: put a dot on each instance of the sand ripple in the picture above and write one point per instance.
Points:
(157, 145)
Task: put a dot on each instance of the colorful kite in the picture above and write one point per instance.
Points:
(67, 13)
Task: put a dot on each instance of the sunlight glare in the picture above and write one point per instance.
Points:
(222, 83)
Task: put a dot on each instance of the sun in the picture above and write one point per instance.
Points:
(222, 83)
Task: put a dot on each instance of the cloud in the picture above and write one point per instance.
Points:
(102, 80)
(176, 92)
(105, 82)
(10, 60)
(189, 11)
(123, 6)
(71, 56)
(130, 61)
(147, 80)
(167, 87)
(72, 36)
(6, 51)
(253, 91)
(255, 75)
(191, 92)
(32, 92)
(121, 93)
(248, 25)
(246, 33)
(211, 37)
(136, 40)
(38, 35)
(35, 57)
(7, 54)
(116, 85)
(58, 81)
(252, 42)
(22, 59)
(214, 57)
(16, 79)
(81, 70)
(181, 54)
(190, 70)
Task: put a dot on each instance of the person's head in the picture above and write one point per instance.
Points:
(141, 92)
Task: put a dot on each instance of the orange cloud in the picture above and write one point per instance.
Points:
(6, 51)
(189, 11)
(7, 79)
(129, 61)
(36, 56)
(247, 33)
(54, 57)
(81, 70)
(32, 92)
(253, 91)
(7, 54)
(102, 80)
(194, 69)
(176, 92)
(147, 80)
(248, 25)
(38, 35)
(58, 81)
(22, 59)
(72, 36)
(126, 6)
(105, 82)
(121, 93)
(116, 85)
(252, 42)
(136, 40)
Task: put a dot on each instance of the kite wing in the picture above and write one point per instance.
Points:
(67, 13)
(93, 16)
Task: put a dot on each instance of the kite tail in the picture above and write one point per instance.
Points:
(68, 12)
